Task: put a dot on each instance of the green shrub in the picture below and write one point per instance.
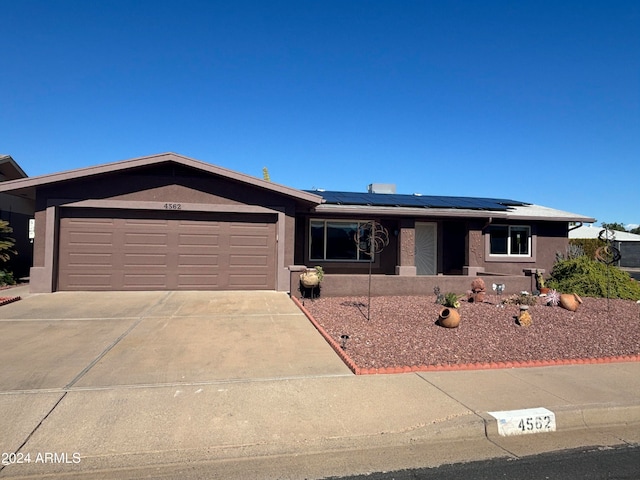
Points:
(520, 299)
(6, 242)
(451, 300)
(588, 245)
(590, 278)
(6, 278)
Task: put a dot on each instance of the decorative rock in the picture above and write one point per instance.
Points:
(525, 320)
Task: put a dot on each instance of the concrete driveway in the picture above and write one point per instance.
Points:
(104, 339)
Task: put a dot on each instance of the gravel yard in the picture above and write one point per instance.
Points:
(401, 331)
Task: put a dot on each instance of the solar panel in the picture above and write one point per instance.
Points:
(420, 201)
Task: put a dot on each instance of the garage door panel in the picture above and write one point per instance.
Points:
(135, 260)
(248, 241)
(192, 280)
(154, 254)
(146, 281)
(91, 239)
(144, 223)
(145, 238)
(253, 260)
(89, 260)
(204, 261)
(89, 281)
(243, 281)
(203, 239)
(107, 223)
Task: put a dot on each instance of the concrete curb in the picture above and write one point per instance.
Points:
(577, 417)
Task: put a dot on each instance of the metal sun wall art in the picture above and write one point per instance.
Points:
(608, 254)
(371, 238)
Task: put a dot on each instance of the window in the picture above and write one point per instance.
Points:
(336, 240)
(510, 240)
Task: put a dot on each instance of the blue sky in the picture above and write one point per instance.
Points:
(536, 101)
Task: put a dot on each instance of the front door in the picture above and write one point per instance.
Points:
(426, 248)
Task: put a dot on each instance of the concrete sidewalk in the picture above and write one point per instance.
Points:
(308, 424)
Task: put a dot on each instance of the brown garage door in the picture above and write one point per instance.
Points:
(167, 251)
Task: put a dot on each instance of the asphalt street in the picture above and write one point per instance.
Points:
(600, 463)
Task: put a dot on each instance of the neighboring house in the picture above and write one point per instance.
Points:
(17, 211)
(628, 243)
(171, 222)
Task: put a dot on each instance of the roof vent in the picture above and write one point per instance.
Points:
(381, 188)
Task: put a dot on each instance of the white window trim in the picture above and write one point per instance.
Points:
(511, 257)
(365, 257)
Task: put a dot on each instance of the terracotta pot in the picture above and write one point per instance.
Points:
(478, 297)
(310, 278)
(544, 290)
(449, 318)
(570, 301)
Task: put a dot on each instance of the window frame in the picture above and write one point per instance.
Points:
(361, 257)
(509, 256)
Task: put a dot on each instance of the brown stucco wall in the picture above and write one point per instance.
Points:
(385, 262)
(39, 241)
(161, 183)
(550, 238)
(461, 243)
(164, 183)
(358, 285)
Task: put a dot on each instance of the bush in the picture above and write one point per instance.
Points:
(520, 299)
(6, 278)
(588, 245)
(590, 278)
(6, 242)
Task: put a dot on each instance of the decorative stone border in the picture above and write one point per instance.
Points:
(6, 300)
(455, 367)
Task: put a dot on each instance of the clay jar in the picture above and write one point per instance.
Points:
(310, 278)
(449, 318)
(570, 301)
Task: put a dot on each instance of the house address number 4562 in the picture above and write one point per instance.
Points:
(173, 206)
(520, 422)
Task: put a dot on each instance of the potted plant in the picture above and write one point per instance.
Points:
(478, 290)
(312, 277)
(540, 283)
(449, 315)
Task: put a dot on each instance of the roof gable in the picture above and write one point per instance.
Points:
(9, 169)
(27, 186)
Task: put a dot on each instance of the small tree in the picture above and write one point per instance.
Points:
(614, 226)
(6, 242)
